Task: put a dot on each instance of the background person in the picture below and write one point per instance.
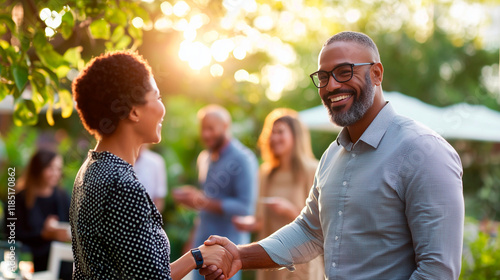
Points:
(228, 178)
(40, 205)
(286, 177)
(116, 229)
(152, 173)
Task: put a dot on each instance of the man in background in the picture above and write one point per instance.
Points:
(228, 179)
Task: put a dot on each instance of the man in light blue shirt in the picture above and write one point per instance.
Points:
(387, 199)
(228, 173)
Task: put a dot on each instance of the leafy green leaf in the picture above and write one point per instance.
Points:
(48, 56)
(51, 58)
(25, 112)
(73, 55)
(25, 43)
(62, 71)
(4, 91)
(20, 74)
(117, 34)
(116, 16)
(53, 77)
(39, 85)
(49, 115)
(39, 40)
(136, 33)
(9, 22)
(68, 22)
(123, 42)
(100, 29)
(66, 103)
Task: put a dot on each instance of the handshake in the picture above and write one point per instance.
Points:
(221, 258)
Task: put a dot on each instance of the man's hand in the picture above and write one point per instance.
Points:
(191, 197)
(209, 272)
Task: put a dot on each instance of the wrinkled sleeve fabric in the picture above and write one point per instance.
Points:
(431, 174)
(300, 241)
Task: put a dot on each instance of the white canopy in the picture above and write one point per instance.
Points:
(459, 121)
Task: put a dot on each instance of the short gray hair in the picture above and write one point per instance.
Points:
(356, 37)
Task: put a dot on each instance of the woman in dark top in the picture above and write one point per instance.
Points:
(117, 230)
(39, 205)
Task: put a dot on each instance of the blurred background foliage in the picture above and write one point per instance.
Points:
(249, 56)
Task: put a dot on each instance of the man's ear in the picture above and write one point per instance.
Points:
(377, 74)
(134, 114)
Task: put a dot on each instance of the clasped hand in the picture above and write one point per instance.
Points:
(220, 267)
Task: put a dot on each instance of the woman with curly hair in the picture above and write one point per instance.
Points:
(116, 229)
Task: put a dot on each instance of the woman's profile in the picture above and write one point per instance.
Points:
(116, 229)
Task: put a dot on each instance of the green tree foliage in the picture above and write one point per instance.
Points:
(42, 43)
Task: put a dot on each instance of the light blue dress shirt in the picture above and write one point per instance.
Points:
(389, 206)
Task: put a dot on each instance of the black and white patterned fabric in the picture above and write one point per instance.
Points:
(116, 229)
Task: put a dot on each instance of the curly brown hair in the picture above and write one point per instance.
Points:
(108, 87)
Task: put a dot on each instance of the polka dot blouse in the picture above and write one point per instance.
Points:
(116, 229)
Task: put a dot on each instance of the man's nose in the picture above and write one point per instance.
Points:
(332, 84)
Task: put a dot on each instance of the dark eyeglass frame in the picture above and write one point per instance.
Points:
(330, 73)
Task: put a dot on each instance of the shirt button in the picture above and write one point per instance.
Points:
(340, 213)
(334, 264)
(344, 183)
(353, 155)
(336, 237)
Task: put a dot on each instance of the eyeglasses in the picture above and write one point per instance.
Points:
(342, 73)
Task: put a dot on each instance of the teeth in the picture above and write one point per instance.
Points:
(338, 98)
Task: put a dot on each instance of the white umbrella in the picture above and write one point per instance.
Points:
(460, 121)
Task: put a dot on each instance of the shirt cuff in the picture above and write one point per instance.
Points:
(278, 253)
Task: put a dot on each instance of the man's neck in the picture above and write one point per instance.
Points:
(215, 153)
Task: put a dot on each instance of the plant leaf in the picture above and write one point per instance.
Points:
(20, 74)
(9, 22)
(49, 115)
(25, 113)
(116, 16)
(117, 34)
(123, 43)
(68, 22)
(66, 103)
(100, 29)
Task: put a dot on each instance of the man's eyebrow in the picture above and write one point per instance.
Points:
(342, 63)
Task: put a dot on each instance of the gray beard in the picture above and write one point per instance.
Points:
(360, 106)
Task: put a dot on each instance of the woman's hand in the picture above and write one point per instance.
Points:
(209, 272)
(217, 256)
(51, 231)
(246, 223)
(283, 207)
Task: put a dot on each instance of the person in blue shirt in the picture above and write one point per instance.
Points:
(228, 174)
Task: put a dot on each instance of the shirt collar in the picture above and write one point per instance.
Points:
(375, 131)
